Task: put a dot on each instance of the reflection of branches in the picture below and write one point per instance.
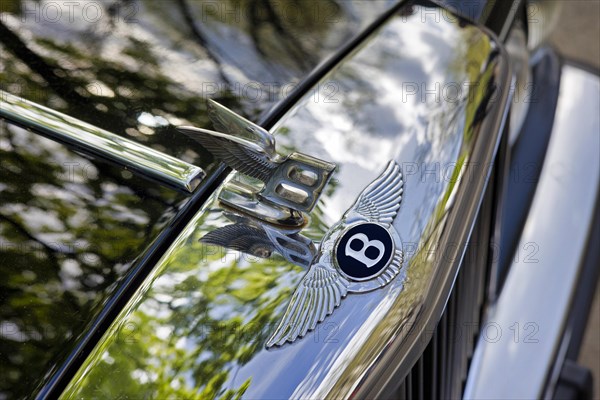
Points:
(199, 36)
(254, 33)
(142, 190)
(295, 49)
(51, 250)
(114, 10)
(38, 65)
(63, 250)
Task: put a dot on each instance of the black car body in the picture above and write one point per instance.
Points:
(109, 290)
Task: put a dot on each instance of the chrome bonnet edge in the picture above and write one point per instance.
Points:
(138, 158)
(525, 330)
(447, 244)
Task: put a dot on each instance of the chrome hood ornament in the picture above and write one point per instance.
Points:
(361, 252)
(294, 182)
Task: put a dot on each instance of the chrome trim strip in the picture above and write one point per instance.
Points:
(138, 158)
(538, 292)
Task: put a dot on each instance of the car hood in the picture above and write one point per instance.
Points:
(136, 68)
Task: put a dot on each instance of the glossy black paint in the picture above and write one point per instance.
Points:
(71, 229)
(144, 66)
(127, 288)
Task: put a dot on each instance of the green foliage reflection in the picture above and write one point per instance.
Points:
(206, 313)
(70, 229)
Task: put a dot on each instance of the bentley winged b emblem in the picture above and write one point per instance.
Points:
(361, 252)
(294, 181)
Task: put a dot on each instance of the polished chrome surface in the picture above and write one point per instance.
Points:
(239, 143)
(324, 286)
(295, 181)
(240, 196)
(527, 323)
(430, 94)
(298, 182)
(254, 237)
(138, 158)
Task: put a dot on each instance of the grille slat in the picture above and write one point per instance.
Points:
(443, 345)
(409, 386)
(402, 391)
(450, 359)
(420, 379)
(435, 374)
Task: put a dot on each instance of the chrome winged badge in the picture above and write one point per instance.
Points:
(361, 252)
(294, 181)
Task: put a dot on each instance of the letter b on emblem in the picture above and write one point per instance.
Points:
(361, 255)
(364, 250)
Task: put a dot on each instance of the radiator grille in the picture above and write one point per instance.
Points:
(441, 371)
